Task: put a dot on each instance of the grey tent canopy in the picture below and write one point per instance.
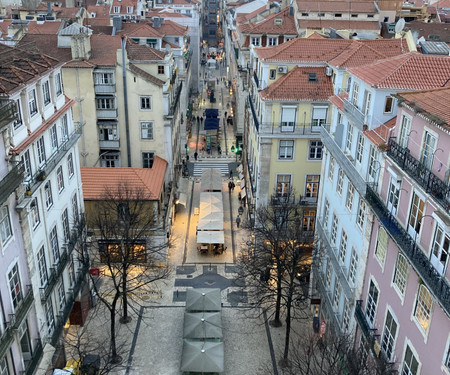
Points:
(202, 356)
(202, 325)
(207, 299)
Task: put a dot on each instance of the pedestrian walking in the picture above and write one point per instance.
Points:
(232, 186)
(226, 114)
(231, 173)
(229, 187)
(198, 119)
(187, 157)
(195, 155)
(201, 119)
(238, 220)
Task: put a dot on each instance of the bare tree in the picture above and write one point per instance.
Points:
(276, 269)
(126, 248)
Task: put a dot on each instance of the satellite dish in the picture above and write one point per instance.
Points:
(399, 26)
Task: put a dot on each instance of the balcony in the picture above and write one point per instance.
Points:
(292, 128)
(11, 182)
(276, 200)
(343, 160)
(107, 113)
(255, 117)
(175, 100)
(433, 185)
(22, 309)
(355, 115)
(110, 144)
(6, 340)
(105, 88)
(8, 113)
(362, 322)
(325, 297)
(53, 161)
(437, 284)
(255, 77)
(48, 288)
(332, 254)
(37, 354)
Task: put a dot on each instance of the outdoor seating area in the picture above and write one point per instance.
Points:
(203, 349)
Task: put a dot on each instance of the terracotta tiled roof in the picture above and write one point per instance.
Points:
(381, 134)
(170, 28)
(165, 14)
(296, 86)
(339, 25)
(425, 29)
(338, 100)
(166, 44)
(316, 35)
(101, 11)
(411, 71)
(435, 102)
(99, 25)
(63, 13)
(104, 49)
(268, 26)
(442, 4)
(19, 67)
(48, 28)
(140, 30)
(139, 52)
(388, 47)
(96, 179)
(147, 76)
(244, 17)
(124, 4)
(46, 45)
(336, 6)
(356, 54)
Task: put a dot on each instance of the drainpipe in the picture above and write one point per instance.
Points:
(125, 98)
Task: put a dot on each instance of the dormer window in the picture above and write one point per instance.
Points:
(338, 15)
(117, 9)
(93, 14)
(312, 77)
(278, 21)
(272, 41)
(129, 9)
(305, 14)
(256, 41)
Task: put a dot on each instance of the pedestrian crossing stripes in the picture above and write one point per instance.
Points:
(223, 167)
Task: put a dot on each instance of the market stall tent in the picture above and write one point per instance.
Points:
(210, 236)
(202, 356)
(202, 325)
(203, 299)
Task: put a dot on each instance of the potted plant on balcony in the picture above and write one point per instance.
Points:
(383, 147)
(41, 176)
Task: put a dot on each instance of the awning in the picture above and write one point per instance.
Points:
(202, 356)
(210, 236)
(202, 325)
(242, 183)
(203, 299)
(211, 179)
(211, 123)
(211, 112)
(182, 199)
(243, 193)
(211, 211)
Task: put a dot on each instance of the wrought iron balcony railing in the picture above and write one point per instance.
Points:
(22, 309)
(290, 128)
(6, 340)
(11, 181)
(325, 298)
(37, 354)
(422, 175)
(276, 200)
(175, 100)
(362, 322)
(51, 282)
(436, 283)
(255, 117)
(8, 112)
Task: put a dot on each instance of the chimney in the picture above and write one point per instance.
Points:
(80, 45)
(117, 23)
(156, 22)
(49, 8)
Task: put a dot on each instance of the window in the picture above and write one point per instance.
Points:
(32, 105)
(117, 9)
(147, 129)
(321, 14)
(424, 303)
(42, 264)
(374, 164)
(415, 217)
(346, 316)
(350, 195)
(382, 243)
(319, 116)
(272, 74)
(65, 225)
(360, 148)
(410, 363)
(46, 93)
(18, 121)
(71, 271)
(61, 296)
(5, 224)
(312, 77)
(60, 178)
(355, 94)
(64, 127)
(328, 275)
(75, 207)
(48, 195)
(370, 16)
(105, 103)
(308, 220)
(343, 247)
(107, 131)
(428, 148)
(49, 316)
(54, 244)
(315, 150)
(272, 41)
(283, 185)
(41, 150)
(361, 216)
(338, 15)
(440, 249)
(388, 104)
(404, 132)
(326, 212)
(288, 115)
(147, 159)
(305, 14)
(70, 165)
(401, 273)
(255, 41)
(353, 266)
(447, 358)
(331, 168)
(34, 213)
(146, 103)
(372, 301)
(129, 9)
(393, 196)
(336, 295)
(110, 160)
(334, 229)
(286, 150)
(15, 285)
(161, 69)
(53, 138)
(104, 78)
(340, 181)
(389, 336)
(367, 101)
(349, 139)
(58, 84)
(26, 163)
(312, 186)
(354, 15)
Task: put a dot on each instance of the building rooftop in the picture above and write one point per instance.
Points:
(380, 135)
(338, 24)
(141, 52)
(411, 71)
(300, 84)
(337, 6)
(277, 23)
(150, 180)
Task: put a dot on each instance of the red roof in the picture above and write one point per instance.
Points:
(338, 25)
(140, 30)
(434, 102)
(269, 26)
(381, 134)
(316, 35)
(411, 71)
(97, 179)
(171, 28)
(338, 100)
(296, 86)
(336, 6)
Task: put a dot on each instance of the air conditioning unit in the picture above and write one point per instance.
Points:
(329, 71)
(282, 69)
